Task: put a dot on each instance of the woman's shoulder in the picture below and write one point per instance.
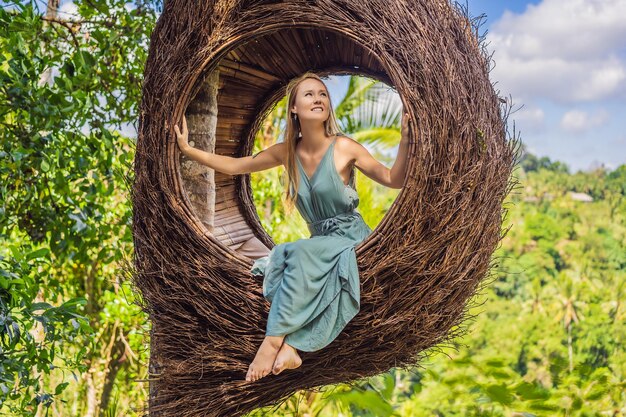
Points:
(344, 140)
(345, 144)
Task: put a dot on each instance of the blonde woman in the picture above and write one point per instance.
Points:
(312, 284)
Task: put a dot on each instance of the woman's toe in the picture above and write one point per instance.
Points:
(277, 369)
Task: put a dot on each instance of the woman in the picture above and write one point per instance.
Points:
(312, 284)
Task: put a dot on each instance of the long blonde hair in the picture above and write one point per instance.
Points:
(293, 136)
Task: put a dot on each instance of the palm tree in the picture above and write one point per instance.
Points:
(568, 309)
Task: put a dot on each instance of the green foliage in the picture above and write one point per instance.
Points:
(34, 334)
(530, 162)
(66, 84)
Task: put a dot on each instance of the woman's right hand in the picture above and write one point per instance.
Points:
(182, 137)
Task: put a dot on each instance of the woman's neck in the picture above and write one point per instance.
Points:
(313, 138)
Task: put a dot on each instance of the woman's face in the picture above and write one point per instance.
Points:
(312, 102)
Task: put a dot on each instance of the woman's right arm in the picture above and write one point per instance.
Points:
(265, 159)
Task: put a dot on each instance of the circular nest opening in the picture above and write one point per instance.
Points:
(242, 86)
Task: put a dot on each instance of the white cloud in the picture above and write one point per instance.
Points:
(68, 11)
(578, 121)
(565, 50)
(529, 119)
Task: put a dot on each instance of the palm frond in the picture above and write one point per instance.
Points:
(369, 104)
(386, 137)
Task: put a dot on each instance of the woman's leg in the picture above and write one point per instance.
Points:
(264, 358)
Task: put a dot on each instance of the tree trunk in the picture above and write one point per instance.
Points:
(92, 394)
(199, 180)
(39, 336)
(570, 350)
(117, 357)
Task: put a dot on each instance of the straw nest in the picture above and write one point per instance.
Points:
(420, 266)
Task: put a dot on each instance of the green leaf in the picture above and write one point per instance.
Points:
(499, 393)
(498, 363)
(60, 388)
(40, 306)
(528, 391)
(365, 400)
(597, 393)
(542, 406)
(39, 253)
(577, 403)
(73, 303)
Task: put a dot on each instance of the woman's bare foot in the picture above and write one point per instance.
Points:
(264, 358)
(287, 358)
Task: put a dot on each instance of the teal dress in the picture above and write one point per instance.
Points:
(313, 284)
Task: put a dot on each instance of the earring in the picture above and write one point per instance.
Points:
(295, 116)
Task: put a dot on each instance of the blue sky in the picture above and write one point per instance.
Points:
(563, 63)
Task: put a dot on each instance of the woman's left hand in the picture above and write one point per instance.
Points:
(405, 125)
